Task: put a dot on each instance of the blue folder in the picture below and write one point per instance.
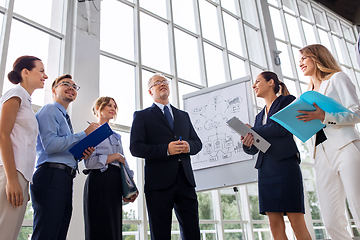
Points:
(305, 130)
(91, 140)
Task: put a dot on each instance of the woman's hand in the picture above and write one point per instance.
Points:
(14, 193)
(87, 153)
(248, 140)
(133, 197)
(311, 115)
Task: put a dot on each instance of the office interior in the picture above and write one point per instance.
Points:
(112, 47)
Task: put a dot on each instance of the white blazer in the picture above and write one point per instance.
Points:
(340, 127)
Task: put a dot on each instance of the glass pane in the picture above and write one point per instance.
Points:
(214, 62)
(341, 50)
(229, 204)
(304, 151)
(237, 68)
(254, 202)
(113, 86)
(156, 6)
(184, 89)
(294, 30)
(289, 6)
(273, 2)
(231, 5)
(319, 17)
(348, 33)
(130, 211)
(187, 56)
(25, 233)
(255, 46)
(209, 22)
(290, 85)
(206, 211)
(277, 23)
(113, 16)
(351, 74)
(184, 20)
(147, 99)
(2, 3)
(304, 10)
(324, 39)
(249, 12)
(334, 26)
(46, 12)
(1, 22)
(232, 31)
(353, 57)
(308, 174)
(286, 67)
(304, 87)
(300, 74)
(155, 54)
(309, 33)
(260, 102)
(41, 45)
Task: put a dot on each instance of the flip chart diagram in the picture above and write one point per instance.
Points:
(209, 109)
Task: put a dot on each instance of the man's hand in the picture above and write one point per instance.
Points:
(88, 152)
(92, 127)
(177, 147)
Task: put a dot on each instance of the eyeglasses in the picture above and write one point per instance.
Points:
(68, 85)
(157, 83)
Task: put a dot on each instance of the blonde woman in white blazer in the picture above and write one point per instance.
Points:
(336, 148)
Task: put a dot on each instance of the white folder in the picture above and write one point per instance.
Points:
(240, 127)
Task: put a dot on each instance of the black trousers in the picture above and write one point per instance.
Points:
(51, 195)
(181, 197)
(103, 204)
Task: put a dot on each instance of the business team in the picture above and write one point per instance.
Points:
(164, 136)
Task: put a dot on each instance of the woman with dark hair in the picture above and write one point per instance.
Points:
(279, 175)
(103, 187)
(335, 148)
(18, 132)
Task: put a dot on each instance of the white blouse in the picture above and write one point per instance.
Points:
(24, 133)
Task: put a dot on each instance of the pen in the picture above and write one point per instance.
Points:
(180, 138)
(88, 122)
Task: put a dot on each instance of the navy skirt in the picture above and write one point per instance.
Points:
(281, 186)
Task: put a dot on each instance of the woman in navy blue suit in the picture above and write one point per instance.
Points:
(279, 175)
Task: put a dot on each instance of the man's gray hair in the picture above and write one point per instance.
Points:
(155, 74)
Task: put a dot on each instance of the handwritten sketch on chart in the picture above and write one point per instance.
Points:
(209, 113)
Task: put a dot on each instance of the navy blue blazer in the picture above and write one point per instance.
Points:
(149, 138)
(281, 140)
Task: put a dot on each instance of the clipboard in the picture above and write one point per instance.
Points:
(91, 140)
(240, 127)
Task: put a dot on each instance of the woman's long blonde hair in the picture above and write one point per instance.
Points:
(325, 63)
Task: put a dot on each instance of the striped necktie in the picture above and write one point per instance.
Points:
(168, 117)
(69, 123)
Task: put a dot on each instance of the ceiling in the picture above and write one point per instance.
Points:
(349, 9)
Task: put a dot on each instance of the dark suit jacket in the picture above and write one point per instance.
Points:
(281, 140)
(149, 139)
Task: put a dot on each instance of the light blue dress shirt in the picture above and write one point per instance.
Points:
(55, 138)
(109, 146)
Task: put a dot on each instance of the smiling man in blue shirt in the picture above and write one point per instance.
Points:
(51, 190)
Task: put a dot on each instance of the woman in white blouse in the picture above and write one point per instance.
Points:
(103, 187)
(336, 147)
(18, 132)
